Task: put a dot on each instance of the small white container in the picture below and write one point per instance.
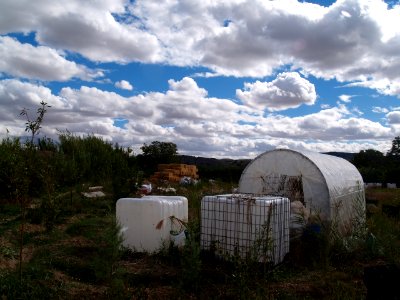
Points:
(146, 222)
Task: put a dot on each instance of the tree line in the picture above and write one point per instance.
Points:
(376, 166)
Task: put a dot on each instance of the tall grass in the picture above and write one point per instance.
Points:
(383, 240)
(53, 167)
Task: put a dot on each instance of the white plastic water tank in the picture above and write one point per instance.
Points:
(234, 223)
(145, 222)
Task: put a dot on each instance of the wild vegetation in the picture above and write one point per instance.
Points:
(82, 256)
(56, 244)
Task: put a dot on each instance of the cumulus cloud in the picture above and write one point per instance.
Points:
(335, 123)
(43, 63)
(16, 95)
(393, 117)
(25, 16)
(123, 84)
(383, 86)
(346, 98)
(356, 42)
(380, 110)
(186, 85)
(185, 115)
(357, 111)
(100, 36)
(351, 40)
(288, 90)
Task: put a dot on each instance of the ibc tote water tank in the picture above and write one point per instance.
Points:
(235, 223)
(145, 222)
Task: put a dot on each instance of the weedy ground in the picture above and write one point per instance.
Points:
(81, 257)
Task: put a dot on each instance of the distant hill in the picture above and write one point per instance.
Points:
(231, 169)
(346, 155)
(212, 162)
(228, 170)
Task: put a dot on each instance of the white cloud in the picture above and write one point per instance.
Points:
(43, 63)
(380, 110)
(206, 75)
(100, 38)
(383, 86)
(346, 98)
(88, 28)
(123, 84)
(337, 124)
(351, 40)
(393, 117)
(288, 90)
(185, 115)
(357, 111)
(345, 14)
(325, 106)
(187, 84)
(16, 95)
(26, 16)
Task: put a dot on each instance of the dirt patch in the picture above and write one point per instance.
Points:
(11, 263)
(76, 241)
(33, 228)
(4, 242)
(8, 264)
(79, 290)
(157, 293)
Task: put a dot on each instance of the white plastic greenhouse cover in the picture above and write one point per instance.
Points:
(331, 185)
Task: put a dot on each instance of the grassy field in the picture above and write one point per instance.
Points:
(80, 257)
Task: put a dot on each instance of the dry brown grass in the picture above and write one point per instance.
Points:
(383, 195)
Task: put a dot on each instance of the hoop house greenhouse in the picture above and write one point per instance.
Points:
(326, 185)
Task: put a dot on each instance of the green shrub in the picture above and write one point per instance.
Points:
(190, 276)
(383, 240)
(104, 250)
(35, 284)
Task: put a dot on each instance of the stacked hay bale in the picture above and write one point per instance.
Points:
(174, 172)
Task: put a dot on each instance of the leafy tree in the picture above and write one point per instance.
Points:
(89, 158)
(371, 164)
(30, 160)
(374, 166)
(122, 172)
(13, 172)
(368, 158)
(157, 153)
(34, 125)
(395, 150)
(393, 162)
(162, 151)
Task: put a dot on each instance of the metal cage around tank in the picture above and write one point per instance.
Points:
(246, 225)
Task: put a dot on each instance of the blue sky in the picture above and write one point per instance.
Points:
(218, 78)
